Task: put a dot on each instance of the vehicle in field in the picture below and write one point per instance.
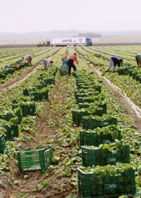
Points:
(44, 44)
(78, 41)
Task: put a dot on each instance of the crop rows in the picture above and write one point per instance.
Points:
(13, 71)
(130, 86)
(58, 129)
(113, 110)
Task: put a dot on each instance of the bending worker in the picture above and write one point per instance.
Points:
(138, 59)
(71, 64)
(27, 58)
(46, 62)
(113, 62)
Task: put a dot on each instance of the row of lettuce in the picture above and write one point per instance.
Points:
(127, 53)
(11, 55)
(130, 86)
(12, 70)
(110, 162)
(129, 67)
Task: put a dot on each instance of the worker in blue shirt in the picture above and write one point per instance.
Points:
(114, 61)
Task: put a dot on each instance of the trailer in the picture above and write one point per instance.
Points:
(78, 41)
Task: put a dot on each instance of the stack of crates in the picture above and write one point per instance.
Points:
(106, 171)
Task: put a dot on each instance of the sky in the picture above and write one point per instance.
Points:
(21, 16)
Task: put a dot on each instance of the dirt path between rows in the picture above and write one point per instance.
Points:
(50, 121)
(17, 80)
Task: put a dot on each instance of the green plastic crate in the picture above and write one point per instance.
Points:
(77, 115)
(38, 158)
(28, 107)
(99, 136)
(93, 185)
(10, 129)
(83, 93)
(89, 85)
(40, 95)
(40, 85)
(92, 122)
(90, 99)
(63, 70)
(2, 144)
(6, 116)
(88, 105)
(103, 156)
(11, 114)
(26, 92)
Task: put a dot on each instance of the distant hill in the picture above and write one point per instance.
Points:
(36, 37)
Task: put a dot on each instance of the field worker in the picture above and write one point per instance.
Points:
(27, 58)
(46, 62)
(71, 64)
(113, 62)
(138, 59)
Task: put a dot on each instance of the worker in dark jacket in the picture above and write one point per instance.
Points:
(114, 61)
(138, 59)
(71, 64)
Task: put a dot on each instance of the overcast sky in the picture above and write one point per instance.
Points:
(21, 16)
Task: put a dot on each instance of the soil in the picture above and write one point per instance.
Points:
(26, 182)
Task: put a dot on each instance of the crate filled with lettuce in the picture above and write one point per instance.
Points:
(39, 95)
(78, 114)
(27, 107)
(99, 103)
(8, 114)
(11, 128)
(91, 98)
(105, 154)
(106, 181)
(99, 135)
(92, 122)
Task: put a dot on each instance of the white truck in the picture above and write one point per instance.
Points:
(72, 41)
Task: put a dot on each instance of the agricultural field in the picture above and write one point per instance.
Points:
(8, 67)
(51, 124)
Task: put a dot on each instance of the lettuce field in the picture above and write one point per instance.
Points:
(76, 136)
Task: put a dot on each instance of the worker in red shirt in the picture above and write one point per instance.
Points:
(71, 64)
